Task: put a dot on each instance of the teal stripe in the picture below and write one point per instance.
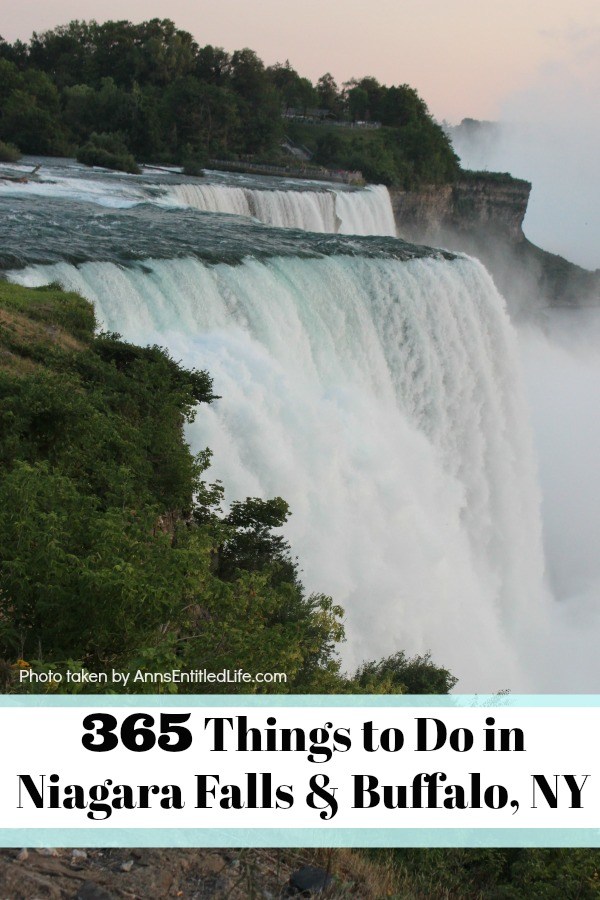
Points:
(303, 700)
(300, 837)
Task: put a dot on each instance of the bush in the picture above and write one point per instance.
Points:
(194, 161)
(9, 153)
(108, 151)
(401, 674)
(192, 167)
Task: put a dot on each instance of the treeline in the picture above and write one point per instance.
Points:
(150, 92)
(115, 550)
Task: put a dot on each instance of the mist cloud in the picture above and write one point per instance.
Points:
(549, 133)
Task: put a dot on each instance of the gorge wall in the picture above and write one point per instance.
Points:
(482, 214)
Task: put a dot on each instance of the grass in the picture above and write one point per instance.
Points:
(496, 177)
(37, 322)
(51, 305)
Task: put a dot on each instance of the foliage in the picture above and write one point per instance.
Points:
(493, 177)
(30, 110)
(108, 151)
(404, 157)
(168, 100)
(114, 549)
(9, 153)
(295, 92)
(328, 94)
(497, 873)
(364, 152)
(194, 161)
(400, 674)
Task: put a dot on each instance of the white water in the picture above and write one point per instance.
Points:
(318, 206)
(366, 211)
(383, 401)
(112, 193)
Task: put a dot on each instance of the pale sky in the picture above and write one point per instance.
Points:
(465, 57)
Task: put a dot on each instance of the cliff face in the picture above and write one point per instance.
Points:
(482, 215)
(473, 202)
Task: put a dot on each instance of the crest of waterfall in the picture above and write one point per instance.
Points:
(383, 400)
(311, 206)
(363, 212)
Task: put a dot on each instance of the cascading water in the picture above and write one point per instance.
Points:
(319, 207)
(372, 383)
(367, 211)
(382, 399)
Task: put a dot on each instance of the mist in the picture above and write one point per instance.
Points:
(561, 363)
(549, 134)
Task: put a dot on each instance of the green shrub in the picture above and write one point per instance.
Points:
(400, 674)
(493, 177)
(108, 151)
(193, 167)
(194, 161)
(9, 153)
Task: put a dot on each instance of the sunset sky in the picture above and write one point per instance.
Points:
(465, 57)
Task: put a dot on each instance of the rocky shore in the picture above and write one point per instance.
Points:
(190, 874)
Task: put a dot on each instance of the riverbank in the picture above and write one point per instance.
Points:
(318, 173)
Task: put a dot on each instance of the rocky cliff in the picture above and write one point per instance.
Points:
(482, 214)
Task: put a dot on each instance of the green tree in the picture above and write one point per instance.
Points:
(172, 101)
(213, 65)
(358, 103)
(329, 94)
(401, 674)
(402, 106)
(201, 117)
(30, 125)
(259, 103)
(294, 90)
(10, 79)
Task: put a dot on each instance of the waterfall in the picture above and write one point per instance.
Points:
(366, 211)
(383, 400)
(311, 206)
